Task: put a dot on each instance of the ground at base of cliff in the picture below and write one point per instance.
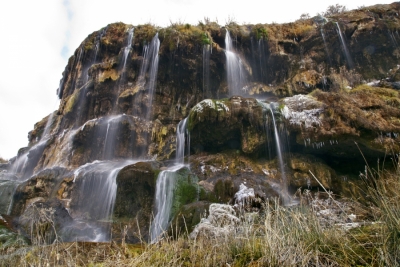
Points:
(320, 231)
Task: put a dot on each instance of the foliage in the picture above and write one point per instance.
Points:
(304, 16)
(334, 9)
(260, 32)
(279, 236)
(384, 196)
(185, 192)
(206, 39)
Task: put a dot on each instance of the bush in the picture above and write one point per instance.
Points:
(334, 9)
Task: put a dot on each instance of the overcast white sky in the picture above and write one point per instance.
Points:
(38, 37)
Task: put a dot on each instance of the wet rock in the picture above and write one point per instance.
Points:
(135, 198)
(39, 188)
(42, 222)
(220, 124)
(302, 165)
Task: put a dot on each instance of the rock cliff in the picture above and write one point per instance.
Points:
(266, 104)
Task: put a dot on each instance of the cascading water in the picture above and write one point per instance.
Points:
(111, 135)
(280, 159)
(262, 58)
(47, 128)
(166, 184)
(235, 70)
(181, 136)
(7, 190)
(96, 183)
(150, 66)
(284, 185)
(76, 62)
(163, 202)
(326, 47)
(24, 165)
(98, 41)
(346, 51)
(127, 48)
(206, 70)
(393, 38)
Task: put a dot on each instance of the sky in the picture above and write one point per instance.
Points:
(38, 37)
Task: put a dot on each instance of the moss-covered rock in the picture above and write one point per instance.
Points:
(236, 123)
(134, 200)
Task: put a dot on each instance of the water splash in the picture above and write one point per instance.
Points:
(346, 51)
(235, 69)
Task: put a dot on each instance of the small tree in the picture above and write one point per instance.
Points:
(335, 9)
(305, 16)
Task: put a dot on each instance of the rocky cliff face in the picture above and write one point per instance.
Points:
(265, 103)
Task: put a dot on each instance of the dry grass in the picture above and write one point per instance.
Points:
(277, 236)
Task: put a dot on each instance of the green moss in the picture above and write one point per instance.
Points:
(260, 32)
(71, 102)
(9, 239)
(186, 190)
(88, 45)
(205, 39)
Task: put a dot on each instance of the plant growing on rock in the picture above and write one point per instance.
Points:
(260, 32)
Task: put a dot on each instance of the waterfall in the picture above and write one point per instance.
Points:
(278, 144)
(97, 187)
(149, 67)
(346, 51)
(47, 128)
(165, 186)
(393, 38)
(7, 191)
(235, 70)
(181, 134)
(153, 56)
(127, 48)
(326, 47)
(76, 62)
(111, 135)
(24, 165)
(262, 58)
(163, 202)
(206, 70)
(98, 41)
